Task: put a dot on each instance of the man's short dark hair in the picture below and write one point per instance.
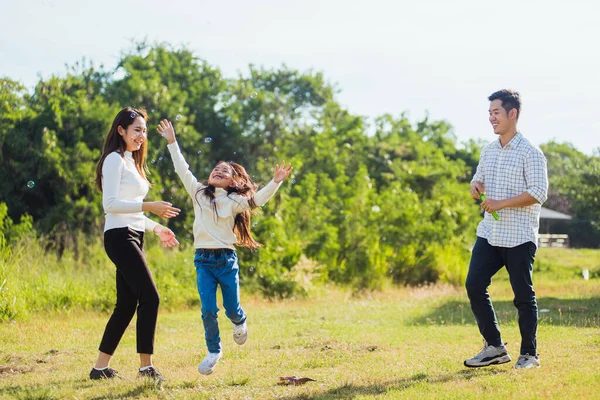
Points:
(509, 98)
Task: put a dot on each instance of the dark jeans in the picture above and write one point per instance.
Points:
(218, 267)
(135, 289)
(486, 260)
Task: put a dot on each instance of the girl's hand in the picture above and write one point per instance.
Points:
(161, 208)
(282, 172)
(166, 130)
(166, 236)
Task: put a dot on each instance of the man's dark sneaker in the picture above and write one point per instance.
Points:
(489, 355)
(527, 361)
(107, 373)
(151, 373)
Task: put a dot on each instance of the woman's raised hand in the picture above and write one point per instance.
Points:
(166, 130)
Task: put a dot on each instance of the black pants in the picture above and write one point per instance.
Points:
(135, 289)
(486, 260)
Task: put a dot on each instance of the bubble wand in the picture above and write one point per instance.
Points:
(494, 213)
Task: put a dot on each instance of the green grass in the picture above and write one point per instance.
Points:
(399, 343)
(561, 264)
(33, 280)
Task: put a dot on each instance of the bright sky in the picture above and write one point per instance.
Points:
(442, 57)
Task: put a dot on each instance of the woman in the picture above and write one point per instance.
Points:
(121, 177)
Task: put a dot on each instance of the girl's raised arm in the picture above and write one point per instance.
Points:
(166, 130)
(263, 195)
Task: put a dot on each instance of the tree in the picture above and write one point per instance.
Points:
(358, 208)
(574, 179)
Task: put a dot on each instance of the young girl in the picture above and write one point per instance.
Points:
(222, 219)
(121, 178)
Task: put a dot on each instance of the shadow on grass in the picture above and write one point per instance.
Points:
(350, 391)
(583, 313)
(137, 392)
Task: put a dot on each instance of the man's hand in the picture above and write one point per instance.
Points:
(476, 189)
(492, 205)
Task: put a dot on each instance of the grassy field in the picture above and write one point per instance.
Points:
(399, 343)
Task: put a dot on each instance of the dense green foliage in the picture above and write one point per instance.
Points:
(365, 203)
(574, 189)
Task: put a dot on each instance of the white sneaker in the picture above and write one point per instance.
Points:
(489, 355)
(240, 333)
(527, 361)
(207, 365)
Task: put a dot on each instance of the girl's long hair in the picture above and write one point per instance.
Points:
(243, 186)
(115, 142)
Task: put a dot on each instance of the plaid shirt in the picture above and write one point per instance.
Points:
(506, 172)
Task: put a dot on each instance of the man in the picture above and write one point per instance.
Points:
(512, 173)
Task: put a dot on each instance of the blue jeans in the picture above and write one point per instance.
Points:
(486, 260)
(218, 267)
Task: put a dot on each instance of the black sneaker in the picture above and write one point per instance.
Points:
(107, 373)
(151, 373)
(489, 355)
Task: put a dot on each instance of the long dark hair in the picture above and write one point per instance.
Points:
(243, 186)
(115, 142)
